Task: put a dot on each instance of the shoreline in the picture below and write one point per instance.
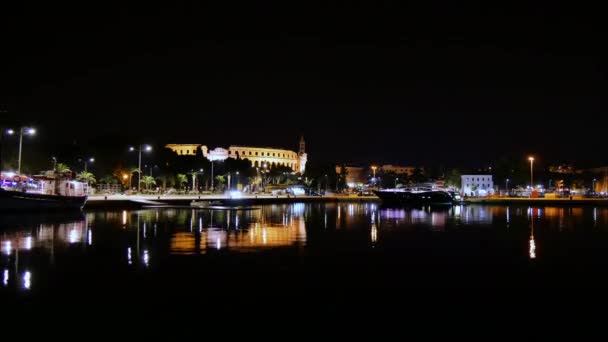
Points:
(141, 201)
(539, 201)
(136, 202)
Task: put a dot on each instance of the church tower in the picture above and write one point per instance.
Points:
(302, 157)
(302, 145)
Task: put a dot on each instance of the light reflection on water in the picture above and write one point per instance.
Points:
(144, 237)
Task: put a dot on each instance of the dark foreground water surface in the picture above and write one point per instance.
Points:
(307, 259)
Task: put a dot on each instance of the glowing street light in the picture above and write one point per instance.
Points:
(374, 167)
(22, 131)
(144, 148)
(86, 162)
(531, 159)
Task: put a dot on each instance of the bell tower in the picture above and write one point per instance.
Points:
(302, 157)
(302, 145)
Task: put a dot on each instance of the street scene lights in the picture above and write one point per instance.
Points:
(195, 174)
(22, 131)
(374, 173)
(211, 174)
(264, 172)
(531, 159)
(86, 162)
(142, 148)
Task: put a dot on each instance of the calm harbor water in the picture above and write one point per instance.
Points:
(296, 255)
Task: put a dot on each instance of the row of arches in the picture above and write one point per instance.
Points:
(245, 154)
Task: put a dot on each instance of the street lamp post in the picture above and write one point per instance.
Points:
(22, 131)
(531, 159)
(146, 148)
(211, 175)
(374, 172)
(593, 186)
(264, 171)
(507, 186)
(396, 180)
(151, 168)
(86, 162)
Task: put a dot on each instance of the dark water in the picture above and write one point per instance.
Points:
(304, 258)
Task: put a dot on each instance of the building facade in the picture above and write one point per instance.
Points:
(258, 156)
(599, 182)
(356, 176)
(477, 185)
(184, 149)
(402, 170)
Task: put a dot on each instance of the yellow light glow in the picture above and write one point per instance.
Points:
(374, 233)
(532, 248)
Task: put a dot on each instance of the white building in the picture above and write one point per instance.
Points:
(476, 185)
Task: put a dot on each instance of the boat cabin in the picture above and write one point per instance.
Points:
(66, 187)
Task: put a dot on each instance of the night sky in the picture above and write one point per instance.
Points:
(383, 82)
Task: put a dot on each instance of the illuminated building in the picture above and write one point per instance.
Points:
(184, 149)
(600, 174)
(356, 176)
(258, 156)
(401, 170)
(477, 185)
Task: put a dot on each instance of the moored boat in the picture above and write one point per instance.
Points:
(41, 192)
(16, 200)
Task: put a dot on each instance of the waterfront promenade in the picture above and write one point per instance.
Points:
(119, 201)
